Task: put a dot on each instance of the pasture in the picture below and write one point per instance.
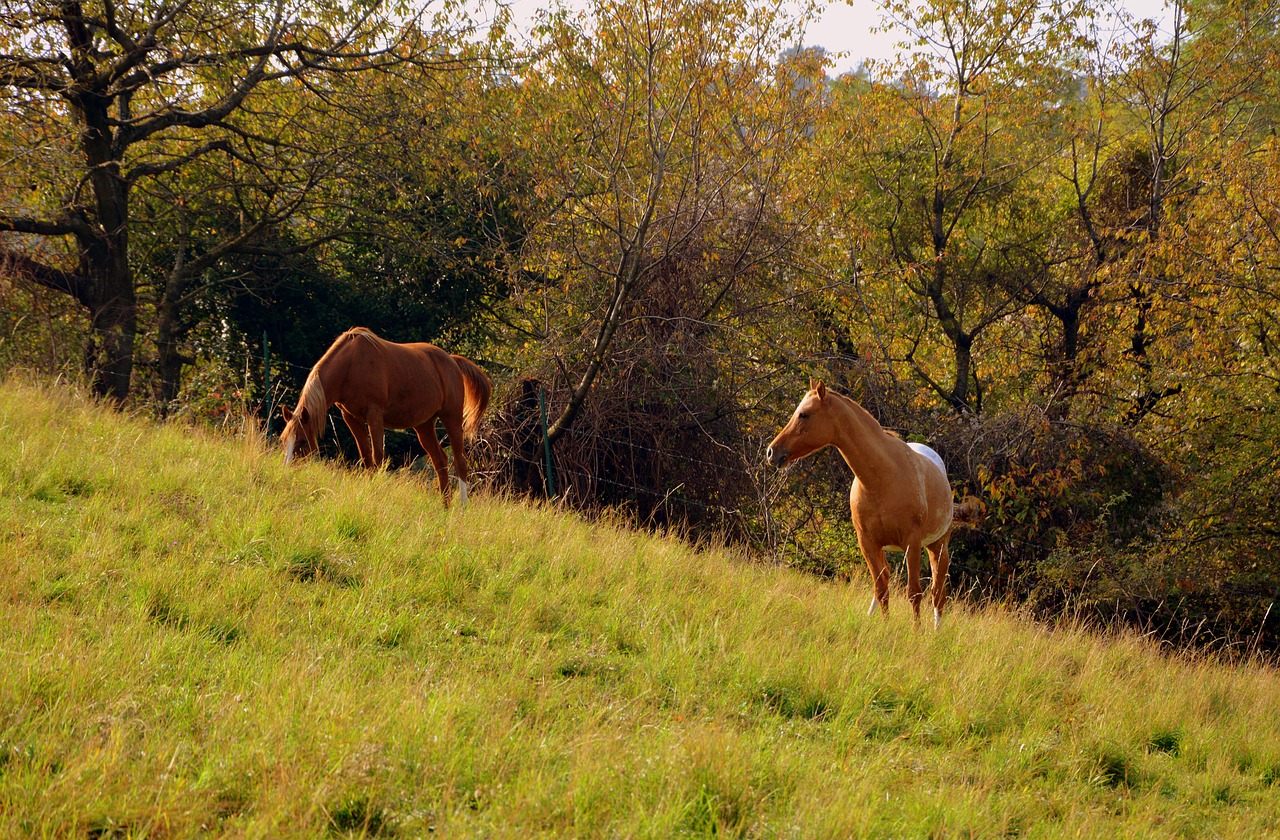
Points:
(198, 641)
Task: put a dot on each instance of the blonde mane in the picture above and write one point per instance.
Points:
(312, 400)
(365, 333)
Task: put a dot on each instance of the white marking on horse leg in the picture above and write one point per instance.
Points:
(874, 604)
(462, 493)
(937, 618)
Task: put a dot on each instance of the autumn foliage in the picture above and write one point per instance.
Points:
(1045, 239)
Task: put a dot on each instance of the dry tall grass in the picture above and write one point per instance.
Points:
(199, 641)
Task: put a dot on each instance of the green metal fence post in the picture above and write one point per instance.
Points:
(266, 368)
(546, 445)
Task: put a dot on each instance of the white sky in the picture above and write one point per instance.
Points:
(845, 26)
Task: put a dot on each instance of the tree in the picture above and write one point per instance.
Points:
(942, 150)
(670, 123)
(1090, 229)
(428, 203)
(106, 97)
(1186, 95)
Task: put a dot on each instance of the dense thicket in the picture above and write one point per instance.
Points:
(1045, 240)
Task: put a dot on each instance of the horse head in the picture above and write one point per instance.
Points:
(810, 428)
(298, 437)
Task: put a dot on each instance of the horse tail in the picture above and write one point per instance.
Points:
(967, 514)
(476, 390)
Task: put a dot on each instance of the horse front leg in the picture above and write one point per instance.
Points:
(360, 431)
(878, 565)
(377, 436)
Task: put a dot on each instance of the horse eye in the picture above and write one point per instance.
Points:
(804, 415)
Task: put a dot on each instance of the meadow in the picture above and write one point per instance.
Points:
(198, 641)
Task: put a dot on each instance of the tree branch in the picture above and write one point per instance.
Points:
(13, 264)
(151, 169)
(42, 227)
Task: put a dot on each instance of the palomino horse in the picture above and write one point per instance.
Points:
(378, 384)
(900, 498)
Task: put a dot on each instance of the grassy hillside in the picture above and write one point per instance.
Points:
(199, 641)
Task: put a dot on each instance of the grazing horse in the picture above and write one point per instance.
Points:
(900, 498)
(378, 385)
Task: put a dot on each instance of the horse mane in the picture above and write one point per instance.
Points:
(364, 332)
(859, 407)
(313, 401)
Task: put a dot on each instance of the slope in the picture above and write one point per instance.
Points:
(199, 641)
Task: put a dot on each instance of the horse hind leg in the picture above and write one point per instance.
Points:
(939, 562)
(427, 437)
(458, 443)
(377, 436)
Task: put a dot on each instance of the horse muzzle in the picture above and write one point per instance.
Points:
(775, 457)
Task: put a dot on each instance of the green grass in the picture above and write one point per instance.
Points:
(198, 641)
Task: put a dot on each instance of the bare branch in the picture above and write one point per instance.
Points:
(152, 169)
(13, 264)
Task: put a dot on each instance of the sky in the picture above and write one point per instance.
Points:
(845, 27)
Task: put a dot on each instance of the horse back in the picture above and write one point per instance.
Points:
(408, 383)
(426, 381)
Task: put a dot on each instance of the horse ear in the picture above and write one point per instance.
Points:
(821, 388)
(288, 415)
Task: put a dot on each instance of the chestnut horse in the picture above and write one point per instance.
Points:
(378, 384)
(900, 498)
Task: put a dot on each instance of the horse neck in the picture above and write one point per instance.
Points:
(863, 443)
(331, 371)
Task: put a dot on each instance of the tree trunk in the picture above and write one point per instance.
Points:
(112, 302)
(169, 361)
(961, 342)
(109, 354)
(1067, 369)
(109, 294)
(169, 332)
